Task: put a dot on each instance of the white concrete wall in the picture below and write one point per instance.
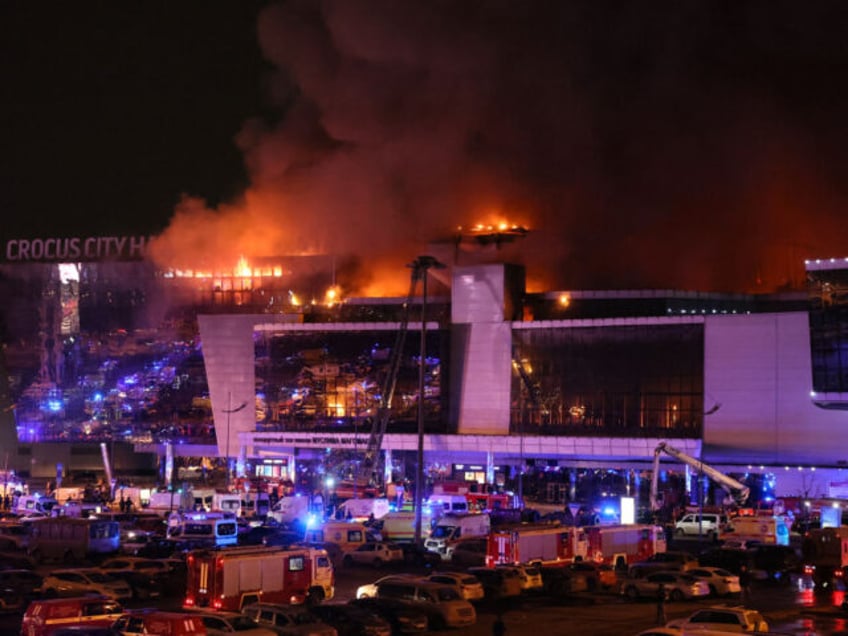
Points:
(481, 351)
(758, 368)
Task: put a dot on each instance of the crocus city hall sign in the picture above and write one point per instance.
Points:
(77, 248)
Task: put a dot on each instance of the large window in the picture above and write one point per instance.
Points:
(609, 380)
(829, 329)
(336, 379)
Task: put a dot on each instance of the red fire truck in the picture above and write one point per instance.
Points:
(230, 578)
(551, 544)
(624, 544)
(538, 543)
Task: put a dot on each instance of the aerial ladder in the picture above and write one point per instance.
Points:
(368, 472)
(738, 491)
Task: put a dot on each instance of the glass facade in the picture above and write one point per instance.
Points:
(617, 381)
(326, 380)
(828, 312)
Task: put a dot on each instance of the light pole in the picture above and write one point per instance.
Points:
(420, 267)
(229, 411)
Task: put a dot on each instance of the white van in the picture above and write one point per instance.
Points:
(452, 528)
(445, 503)
(29, 504)
(347, 535)
(362, 509)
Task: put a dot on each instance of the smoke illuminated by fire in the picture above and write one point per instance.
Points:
(626, 157)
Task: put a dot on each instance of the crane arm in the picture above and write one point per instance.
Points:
(370, 461)
(738, 490)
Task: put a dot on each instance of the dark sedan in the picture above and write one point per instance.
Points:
(403, 617)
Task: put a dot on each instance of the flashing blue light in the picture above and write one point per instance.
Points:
(97, 397)
(311, 521)
(54, 406)
(609, 511)
(329, 482)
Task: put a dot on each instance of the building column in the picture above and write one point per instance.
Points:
(490, 468)
(387, 466)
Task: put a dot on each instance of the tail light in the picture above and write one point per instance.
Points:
(189, 601)
(809, 570)
(838, 574)
(217, 604)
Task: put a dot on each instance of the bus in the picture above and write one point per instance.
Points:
(70, 539)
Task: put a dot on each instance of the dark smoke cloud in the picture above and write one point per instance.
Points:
(674, 145)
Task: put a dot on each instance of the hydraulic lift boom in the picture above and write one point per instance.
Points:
(738, 491)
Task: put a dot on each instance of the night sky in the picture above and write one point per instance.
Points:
(691, 145)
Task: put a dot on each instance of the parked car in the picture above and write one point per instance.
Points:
(670, 560)
(289, 620)
(775, 562)
(81, 581)
(529, 576)
(403, 616)
(559, 580)
(721, 582)
(498, 583)
(417, 555)
(25, 582)
(374, 553)
(703, 524)
(134, 563)
(227, 623)
(350, 620)
(599, 576)
(469, 552)
(469, 586)
(730, 559)
(161, 623)
(677, 586)
(443, 604)
(730, 619)
(369, 590)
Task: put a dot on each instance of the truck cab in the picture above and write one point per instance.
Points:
(451, 528)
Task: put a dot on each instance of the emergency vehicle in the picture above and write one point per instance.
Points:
(536, 543)
(825, 553)
(623, 544)
(766, 529)
(229, 579)
(46, 617)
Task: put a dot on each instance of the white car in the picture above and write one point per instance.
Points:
(469, 586)
(227, 623)
(722, 619)
(78, 582)
(530, 576)
(677, 585)
(721, 581)
(135, 564)
(369, 590)
(375, 553)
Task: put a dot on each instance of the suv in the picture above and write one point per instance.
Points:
(670, 560)
(444, 605)
(707, 523)
(293, 620)
(736, 619)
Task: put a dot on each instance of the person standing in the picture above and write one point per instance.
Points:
(745, 584)
(499, 626)
(661, 598)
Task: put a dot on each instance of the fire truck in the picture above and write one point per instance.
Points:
(825, 553)
(537, 543)
(230, 578)
(554, 544)
(623, 544)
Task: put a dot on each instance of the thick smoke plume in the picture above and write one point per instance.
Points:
(684, 145)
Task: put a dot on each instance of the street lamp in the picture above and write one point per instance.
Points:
(420, 267)
(229, 411)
